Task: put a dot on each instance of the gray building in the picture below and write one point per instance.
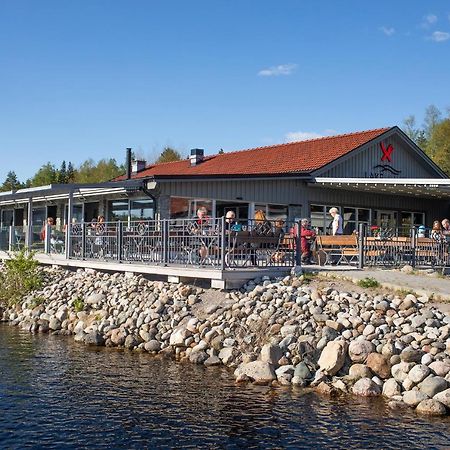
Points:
(377, 177)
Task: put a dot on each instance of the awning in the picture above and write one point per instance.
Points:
(415, 187)
(63, 191)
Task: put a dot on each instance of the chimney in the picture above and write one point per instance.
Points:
(128, 163)
(197, 155)
(137, 165)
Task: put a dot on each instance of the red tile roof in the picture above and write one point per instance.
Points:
(293, 157)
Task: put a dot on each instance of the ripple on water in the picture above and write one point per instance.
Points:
(58, 394)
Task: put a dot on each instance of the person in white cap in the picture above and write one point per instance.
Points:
(336, 226)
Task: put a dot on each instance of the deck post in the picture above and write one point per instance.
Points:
(165, 240)
(11, 239)
(69, 225)
(413, 246)
(222, 243)
(83, 240)
(119, 240)
(361, 241)
(47, 238)
(298, 247)
(29, 235)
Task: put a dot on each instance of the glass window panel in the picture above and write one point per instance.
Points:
(118, 210)
(141, 209)
(363, 215)
(200, 203)
(38, 216)
(349, 227)
(349, 214)
(179, 208)
(418, 218)
(318, 217)
(7, 217)
(275, 212)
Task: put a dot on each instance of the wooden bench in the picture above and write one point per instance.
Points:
(337, 249)
(243, 247)
(389, 251)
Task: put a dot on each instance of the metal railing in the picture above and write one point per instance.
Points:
(188, 242)
(397, 247)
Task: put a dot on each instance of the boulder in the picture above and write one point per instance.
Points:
(118, 336)
(271, 353)
(258, 371)
(400, 371)
(131, 342)
(332, 357)
(198, 357)
(410, 354)
(366, 387)
(359, 350)
(432, 385)
(379, 365)
(227, 355)
(178, 336)
(391, 388)
(413, 398)
(54, 324)
(152, 346)
(95, 299)
(93, 338)
(431, 407)
(443, 397)
(358, 371)
(440, 368)
(212, 361)
(418, 373)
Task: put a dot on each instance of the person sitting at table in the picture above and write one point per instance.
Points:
(446, 227)
(436, 232)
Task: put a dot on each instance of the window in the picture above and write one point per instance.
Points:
(320, 219)
(135, 209)
(273, 212)
(353, 217)
(410, 219)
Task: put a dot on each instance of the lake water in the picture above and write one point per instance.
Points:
(55, 393)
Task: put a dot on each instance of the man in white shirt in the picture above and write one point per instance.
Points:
(337, 222)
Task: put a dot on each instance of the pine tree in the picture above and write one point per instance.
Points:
(11, 182)
(62, 174)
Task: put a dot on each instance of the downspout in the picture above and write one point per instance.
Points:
(150, 195)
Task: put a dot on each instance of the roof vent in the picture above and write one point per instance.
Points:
(137, 165)
(197, 155)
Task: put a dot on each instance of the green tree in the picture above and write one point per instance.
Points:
(47, 174)
(62, 173)
(439, 145)
(11, 182)
(410, 128)
(104, 170)
(70, 173)
(432, 118)
(168, 154)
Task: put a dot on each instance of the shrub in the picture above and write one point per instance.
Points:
(20, 275)
(368, 283)
(78, 304)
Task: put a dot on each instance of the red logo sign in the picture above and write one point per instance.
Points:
(387, 152)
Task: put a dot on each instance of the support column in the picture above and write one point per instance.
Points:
(29, 236)
(69, 225)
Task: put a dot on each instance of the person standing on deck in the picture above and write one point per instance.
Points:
(336, 226)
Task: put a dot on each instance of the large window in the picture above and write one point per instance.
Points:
(353, 217)
(273, 212)
(320, 219)
(411, 219)
(134, 209)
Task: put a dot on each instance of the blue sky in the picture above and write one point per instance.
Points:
(85, 79)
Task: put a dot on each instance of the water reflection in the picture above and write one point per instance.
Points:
(60, 394)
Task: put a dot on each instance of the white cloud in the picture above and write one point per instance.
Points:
(388, 31)
(301, 136)
(274, 71)
(428, 20)
(440, 36)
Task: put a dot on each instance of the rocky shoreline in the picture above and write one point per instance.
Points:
(281, 331)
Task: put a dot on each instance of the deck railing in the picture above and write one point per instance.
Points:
(187, 242)
(397, 247)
